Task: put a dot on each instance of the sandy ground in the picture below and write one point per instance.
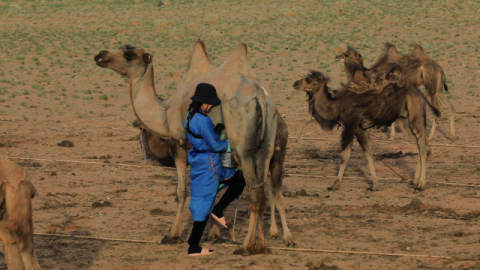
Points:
(65, 97)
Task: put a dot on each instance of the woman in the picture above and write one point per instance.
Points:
(206, 171)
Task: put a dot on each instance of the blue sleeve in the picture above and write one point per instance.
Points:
(211, 138)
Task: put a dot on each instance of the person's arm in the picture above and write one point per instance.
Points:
(211, 138)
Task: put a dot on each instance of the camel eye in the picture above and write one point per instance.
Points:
(347, 54)
(309, 80)
(359, 55)
(129, 55)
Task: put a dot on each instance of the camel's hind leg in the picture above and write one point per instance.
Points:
(12, 250)
(417, 127)
(255, 242)
(276, 197)
(451, 111)
(175, 235)
(363, 139)
(392, 132)
(28, 253)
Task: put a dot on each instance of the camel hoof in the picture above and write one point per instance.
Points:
(290, 243)
(334, 187)
(419, 189)
(274, 236)
(243, 252)
(248, 252)
(172, 240)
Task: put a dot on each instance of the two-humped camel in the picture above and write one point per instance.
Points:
(419, 70)
(248, 112)
(16, 224)
(398, 100)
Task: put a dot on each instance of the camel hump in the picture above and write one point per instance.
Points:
(199, 58)
(418, 52)
(392, 52)
(238, 61)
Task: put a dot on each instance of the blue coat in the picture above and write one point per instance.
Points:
(206, 169)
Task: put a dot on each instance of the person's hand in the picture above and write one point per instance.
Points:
(229, 150)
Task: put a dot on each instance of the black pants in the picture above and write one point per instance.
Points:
(236, 184)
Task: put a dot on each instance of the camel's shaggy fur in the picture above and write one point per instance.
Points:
(16, 226)
(419, 70)
(359, 112)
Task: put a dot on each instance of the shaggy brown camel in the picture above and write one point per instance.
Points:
(419, 70)
(359, 112)
(16, 225)
(247, 110)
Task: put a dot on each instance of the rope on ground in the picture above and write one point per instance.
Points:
(352, 177)
(227, 245)
(97, 238)
(351, 252)
(385, 141)
(90, 162)
(402, 177)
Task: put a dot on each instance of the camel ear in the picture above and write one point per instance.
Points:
(147, 58)
(418, 52)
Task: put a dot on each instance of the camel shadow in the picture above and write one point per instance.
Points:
(63, 253)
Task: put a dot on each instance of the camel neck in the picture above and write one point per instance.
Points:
(146, 104)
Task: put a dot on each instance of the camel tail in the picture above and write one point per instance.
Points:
(262, 120)
(434, 109)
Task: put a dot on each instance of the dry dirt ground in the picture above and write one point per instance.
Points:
(51, 91)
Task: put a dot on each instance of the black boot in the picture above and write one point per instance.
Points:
(236, 184)
(195, 236)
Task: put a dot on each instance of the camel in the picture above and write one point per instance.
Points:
(359, 112)
(155, 148)
(247, 111)
(16, 225)
(419, 70)
(158, 150)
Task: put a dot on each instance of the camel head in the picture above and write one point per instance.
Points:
(350, 56)
(130, 62)
(312, 83)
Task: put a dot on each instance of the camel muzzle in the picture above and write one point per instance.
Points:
(100, 59)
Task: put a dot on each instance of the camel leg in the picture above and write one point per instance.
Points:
(347, 141)
(180, 158)
(435, 119)
(276, 197)
(12, 250)
(287, 235)
(451, 111)
(273, 224)
(363, 139)
(423, 155)
(28, 254)
(392, 132)
(254, 244)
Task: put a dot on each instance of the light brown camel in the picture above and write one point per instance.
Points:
(247, 110)
(158, 150)
(419, 70)
(16, 225)
(359, 112)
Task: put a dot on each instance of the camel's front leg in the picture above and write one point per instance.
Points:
(175, 235)
(347, 141)
(363, 139)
